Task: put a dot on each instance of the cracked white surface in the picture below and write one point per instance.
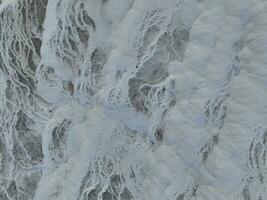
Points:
(133, 99)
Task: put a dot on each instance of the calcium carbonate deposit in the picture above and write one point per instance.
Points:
(133, 100)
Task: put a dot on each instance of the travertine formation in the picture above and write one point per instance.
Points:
(133, 100)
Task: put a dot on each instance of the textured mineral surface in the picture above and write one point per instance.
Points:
(133, 100)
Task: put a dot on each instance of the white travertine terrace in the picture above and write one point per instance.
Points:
(133, 100)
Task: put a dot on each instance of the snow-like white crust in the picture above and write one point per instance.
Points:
(133, 100)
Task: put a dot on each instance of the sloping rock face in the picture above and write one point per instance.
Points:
(133, 100)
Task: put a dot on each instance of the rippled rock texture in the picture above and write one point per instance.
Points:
(133, 100)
